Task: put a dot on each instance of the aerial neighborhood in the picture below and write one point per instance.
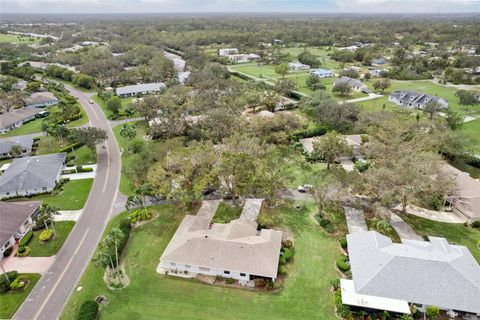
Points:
(226, 166)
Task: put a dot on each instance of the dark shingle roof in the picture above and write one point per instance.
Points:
(13, 215)
(24, 141)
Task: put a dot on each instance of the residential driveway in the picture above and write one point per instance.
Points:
(440, 216)
(114, 123)
(208, 209)
(355, 220)
(370, 96)
(28, 264)
(251, 209)
(403, 229)
(68, 215)
(81, 175)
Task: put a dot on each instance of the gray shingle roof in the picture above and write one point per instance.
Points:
(40, 98)
(139, 88)
(32, 173)
(9, 118)
(350, 81)
(6, 144)
(429, 273)
(414, 98)
(13, 215)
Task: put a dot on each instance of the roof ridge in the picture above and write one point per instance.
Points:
(391, 258)
(461, 274)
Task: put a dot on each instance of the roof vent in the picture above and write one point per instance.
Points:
(206, 237)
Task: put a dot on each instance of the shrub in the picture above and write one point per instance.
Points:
(139, 215)
(335, 283)
(282, 261)
(288, 254)
(344, 311)
(4, 285)
(282, 270)
(260, 282)
(46, 235)
(23, 251)
(26, 239)
(88, 311)
(230, 281)
(343, 243)
(287, 244)
(7, 252)
(342, 264)
(432, 312)
(476, 224)
(125, 225)
(19, 282)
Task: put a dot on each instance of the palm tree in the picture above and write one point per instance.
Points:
(46, 214)
(142, 191)
(133, 201)
(113, 239)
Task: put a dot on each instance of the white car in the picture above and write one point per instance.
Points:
(91, 101)
(304, 188)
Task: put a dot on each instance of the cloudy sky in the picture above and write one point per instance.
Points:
(165, 6)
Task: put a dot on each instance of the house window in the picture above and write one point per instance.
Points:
(187, 266)
(242, 274)
(226, 271)
(204, 269)
(44, 188)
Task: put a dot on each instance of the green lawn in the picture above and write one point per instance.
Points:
(11, 300)
(305, 293)
(83, 155)
(50, 248)
(472, 131)
(226, 213)
(454, 233)
(109, 114)
(301, 171)
(73, 197)
(17, 39)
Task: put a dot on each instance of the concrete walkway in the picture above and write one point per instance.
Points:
(114, 123)
(370, 96)
(251, 209)
(440, 216)
(28, 264)
(68, 215)
(80, 175)
(355, 220)
(403, 229)
(208, 209)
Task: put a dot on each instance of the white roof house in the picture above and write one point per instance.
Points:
(40, 100)
(235, 250)
(296, 66)
(389, 276)
(145, 88)
(227, 52)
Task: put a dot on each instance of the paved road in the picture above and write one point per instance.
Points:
(47, 299)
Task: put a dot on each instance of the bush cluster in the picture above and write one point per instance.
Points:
(26, 239)
(139, 215)
(19, 282)
(325, 223)
(4, 285)
(88, 311)
(342, 264)
(7, 252)
(343, 243)
(46, 235)
(476, 224)
(23, 251)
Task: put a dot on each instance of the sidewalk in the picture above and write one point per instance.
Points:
(251, 209)
(355, 220)
(440, 216)
(68, 215)
(403, 229)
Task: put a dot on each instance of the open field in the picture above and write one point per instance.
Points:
(11, 300)
(16, 39)
(453, 232)
(305, 293)
(73, 197)
(50, 248)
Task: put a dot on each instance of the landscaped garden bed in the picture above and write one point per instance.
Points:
(226, 212)
(12, 298)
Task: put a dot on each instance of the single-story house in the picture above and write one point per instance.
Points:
(390, 276)
(41, 100)
(32, 175)
(322, 73)
(352, 68)
(413, 99)
(234, 250)
(378, 61)
(355, 84)
(145, 88)
(17, 219)
(183, 76)
(239, 57)
(297, 66)
(179, 64)
(6, 144)
(465, 197)
(227, 52)
(15, 119)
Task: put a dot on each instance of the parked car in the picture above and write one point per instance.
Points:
(304, 188)
(91, 101)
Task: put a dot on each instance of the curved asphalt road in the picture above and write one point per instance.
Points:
(47, 299)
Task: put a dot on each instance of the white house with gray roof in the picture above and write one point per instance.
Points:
(390, 276)
(16, 118)
(41, 100)
(32, 175)
(413, 99)
(137, 89)
(6, 145)
(355, 84)
(234, 250)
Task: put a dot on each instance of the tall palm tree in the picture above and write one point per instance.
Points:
(47, 213)
(142, 191)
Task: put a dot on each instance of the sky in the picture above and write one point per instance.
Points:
(287, 6)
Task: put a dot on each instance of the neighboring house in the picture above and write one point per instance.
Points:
(390, 276)
(146, 88)
(413, 99)
(21, 85)
(179, 64)
(24, 142)
(15, 119)
(378, 61)
(32, 175)
(465, 197)
(16, 220)
(322, 73)
(183, 76)
(353, 140)
(41, 100)
(297, 66)
(227, 52)
(355, 84)
(352, 68)
(235, 250)
(241, 57)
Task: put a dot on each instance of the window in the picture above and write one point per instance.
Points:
(204, 269)
(242, 274)
(226, 271)
(44, 188)
(187, 266)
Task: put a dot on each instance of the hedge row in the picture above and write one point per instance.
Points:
(88, 311)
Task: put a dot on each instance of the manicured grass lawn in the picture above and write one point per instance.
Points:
(305, 293)
(226, 213)
(50, 248)
(73, 196)
(11, 300)
(472, 131)
(453, 232)
(109, 114)
(16, 39)
(83, 155)
(301, 171)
